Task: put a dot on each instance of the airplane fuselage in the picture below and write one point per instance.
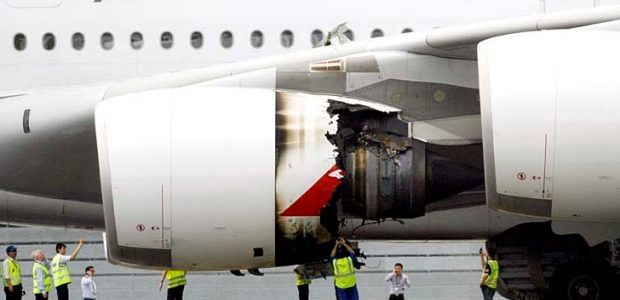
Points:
(70, 42)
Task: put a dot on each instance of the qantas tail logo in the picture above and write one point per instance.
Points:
(311, 202)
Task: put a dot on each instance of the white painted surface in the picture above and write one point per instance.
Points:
(211, 150)
(547, 84)
(36, 67)
(223, 177)
(137, 136)
(520, 92)
(587, 165)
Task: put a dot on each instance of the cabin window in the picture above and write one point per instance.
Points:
(226, 39)
(107, 41)
(196, 39)
(349, 34)
(316, 37)
(166, 40)
(77, 41)
(19, 42)
(49, 41)
(376, 33)
(136, 40)
(407, 30)
(256, 39)
(286, 38)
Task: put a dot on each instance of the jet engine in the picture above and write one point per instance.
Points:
(550, 124)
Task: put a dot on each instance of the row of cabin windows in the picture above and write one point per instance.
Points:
(136, 39)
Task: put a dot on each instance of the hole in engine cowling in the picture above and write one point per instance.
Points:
(388, 174)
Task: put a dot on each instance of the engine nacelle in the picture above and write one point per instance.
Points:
(550, 117)
(211, 178)
(188, 177)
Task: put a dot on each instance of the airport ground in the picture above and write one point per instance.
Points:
(438, 271)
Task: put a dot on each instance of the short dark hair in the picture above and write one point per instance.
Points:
(60, 246)
(88, 268)
(398, 265)
(491, 252)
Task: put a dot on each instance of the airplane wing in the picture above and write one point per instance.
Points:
(458, 42)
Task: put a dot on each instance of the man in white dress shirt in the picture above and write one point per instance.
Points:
(397, 280)
(89, 288)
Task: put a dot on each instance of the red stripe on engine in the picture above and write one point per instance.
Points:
(311, 202)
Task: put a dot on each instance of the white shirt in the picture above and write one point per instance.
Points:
(64, 258)
(6, 267)
(40, 279)
(397, 283)
(89, 288)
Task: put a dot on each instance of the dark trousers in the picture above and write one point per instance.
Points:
(40, 296)
(63, 292)
(487, 292)
(16, 294)
(397, 297)
(176, 293)
(347, 294)
(304, 292)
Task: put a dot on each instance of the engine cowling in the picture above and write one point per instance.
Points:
(188, 177)
(550, 124)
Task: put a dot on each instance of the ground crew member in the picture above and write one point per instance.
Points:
(397, 280)
(302, 281)
(41, 278)
(89, 288)
(12, 275)
(176, 283)
(490, 273)
(60, 270)
(342, 257)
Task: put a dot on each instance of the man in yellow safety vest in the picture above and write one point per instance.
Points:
(490, 273)
(176, 283)
(41, 277)
(302, 281)
(343, 258)
(12, 275)
(60, 270)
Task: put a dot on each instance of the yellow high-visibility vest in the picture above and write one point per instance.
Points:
(60, 271)
(15, 273)
(494, 276)
(47, 279)
(175, 278)
(344, 272)
(301, 279)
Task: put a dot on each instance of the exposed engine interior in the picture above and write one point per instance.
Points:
(388, 174)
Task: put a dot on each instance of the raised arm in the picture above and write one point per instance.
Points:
(482, 259)
(333, 254)
(389, 276)
(351, 251)
(77, 250)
